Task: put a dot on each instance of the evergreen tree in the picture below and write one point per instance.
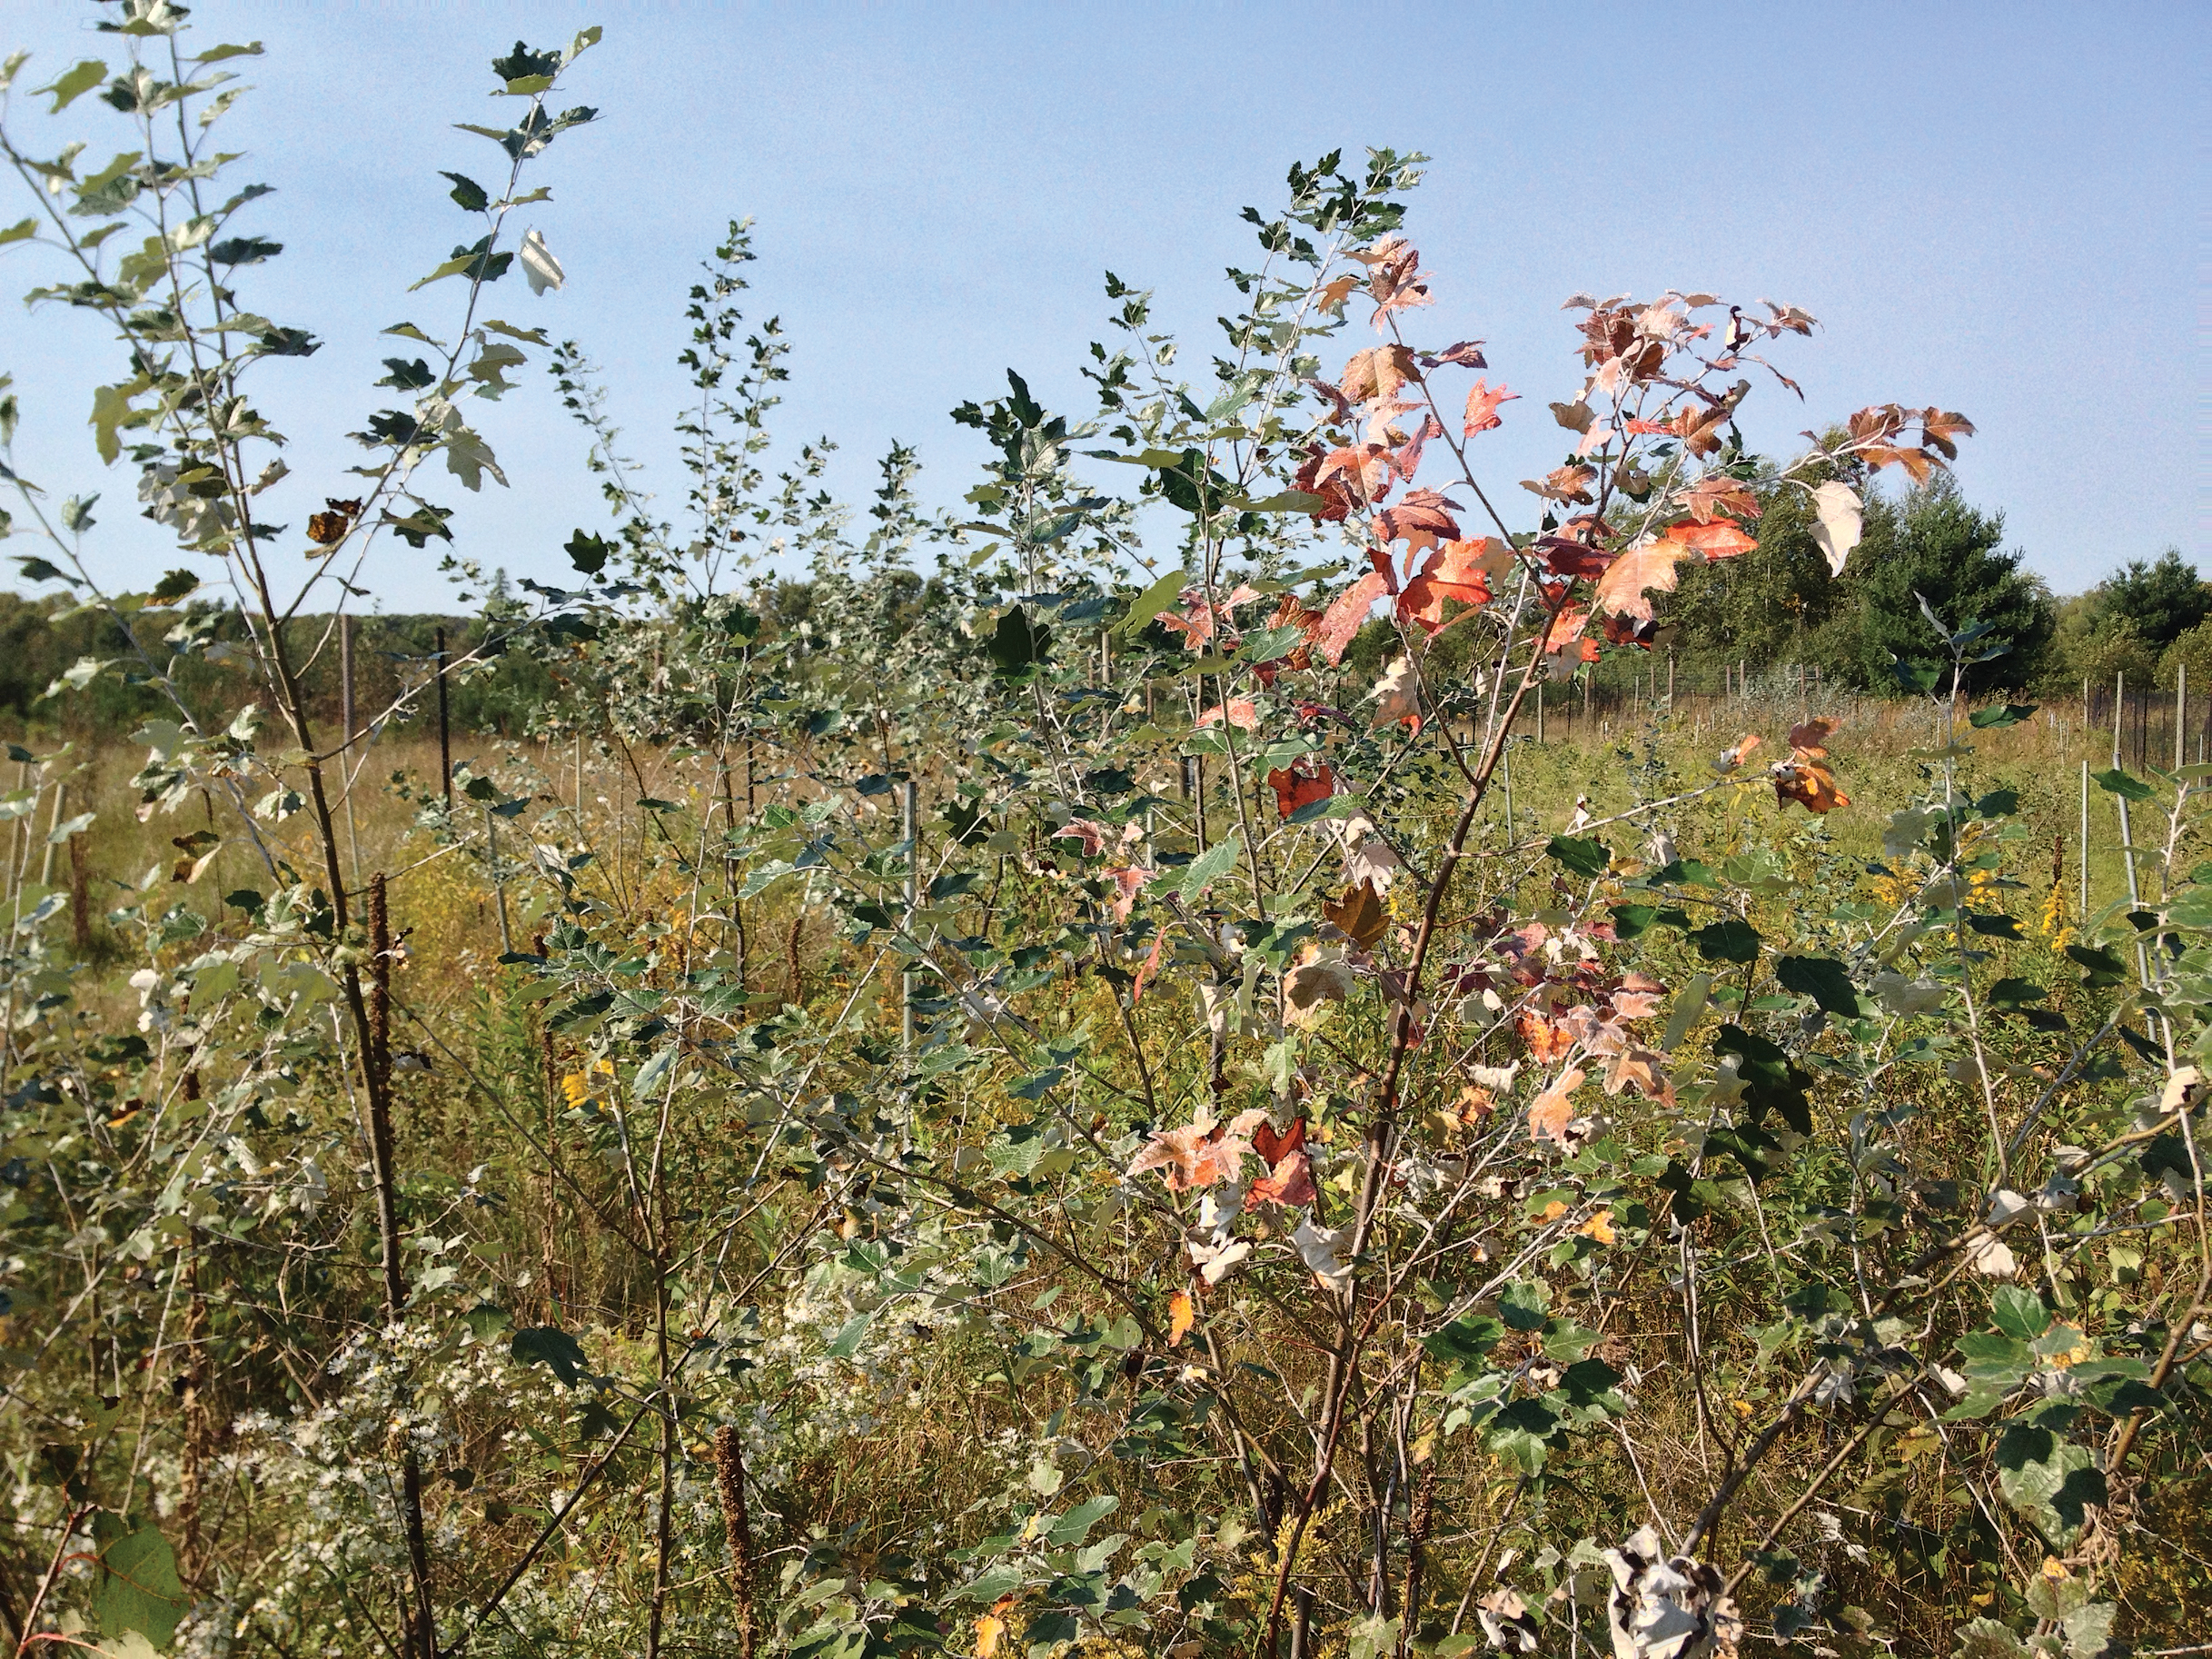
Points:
(2160, 601)
(1934, 546)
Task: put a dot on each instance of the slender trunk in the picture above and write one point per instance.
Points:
(373, 1019)
(730, 1481)
(79, 895)
(445, 729)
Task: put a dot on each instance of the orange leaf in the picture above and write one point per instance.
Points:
(1482, 407)
(1600, 1226)
(1566, 628)
(1811, 740)
(1358, 914)
(1643, 570)
(1300, 784)
(1712, 498)
(1454, 570)
(1809, 783)
(1550, 1112)
(1182, 1313)
(1376, 373)
(1567, 483)
(1243, 713)
(1397, 695)
(1193, 1156)
(1346, 614)
(1719, 539)
(1545, 1041)
(991, 1628)
(1731, 759)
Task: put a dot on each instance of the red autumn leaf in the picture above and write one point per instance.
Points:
(1241, 711)
(1300, 784)
(1091, 834)
(1940, 429)
(1376, 373)
(1465, 353)
(1344, 478)
(1566, 629)
(1148, 968)
(1194, 622)
(1482, 407)
(1419, 518)
(1811, 738)
(1406, 460)
(1276, 1147)
(1564, 556)
(1394, 277)
(1128, 881)
(1346, 615)
(1712, 498)
(1452, 571)
(1289, 1183)
(1718, 539)
(1567, 483)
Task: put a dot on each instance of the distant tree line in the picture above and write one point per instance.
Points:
(1776, 606)
(1781, 605)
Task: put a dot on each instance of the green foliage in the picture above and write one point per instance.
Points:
(1033, 1104)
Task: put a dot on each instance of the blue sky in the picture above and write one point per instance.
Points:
(1997, 209)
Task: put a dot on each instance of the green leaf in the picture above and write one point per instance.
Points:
(453, 267)
(1075, 1527)
(1727, 941)
(75, 84)
(2050, 1481)
(1465, 1340)
(139, 1588)
(1995, 926)
(2103, 964)
(2019, 1312)
(1772, 1083)
(1288, 500)
(1209, 867)
(1019, 643)
(588, 553)
(650, 1074)
(1825, 980)
(2123, 784)
(1633, 920)
(21, 231)
(468, 194)
(848, 1340)
(1587, 857)
(2011, 714)
(548, 1345)
(1333, 806)
(217, 54)
(1162, 595)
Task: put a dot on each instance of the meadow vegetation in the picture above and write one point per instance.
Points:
(1143, 1070)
